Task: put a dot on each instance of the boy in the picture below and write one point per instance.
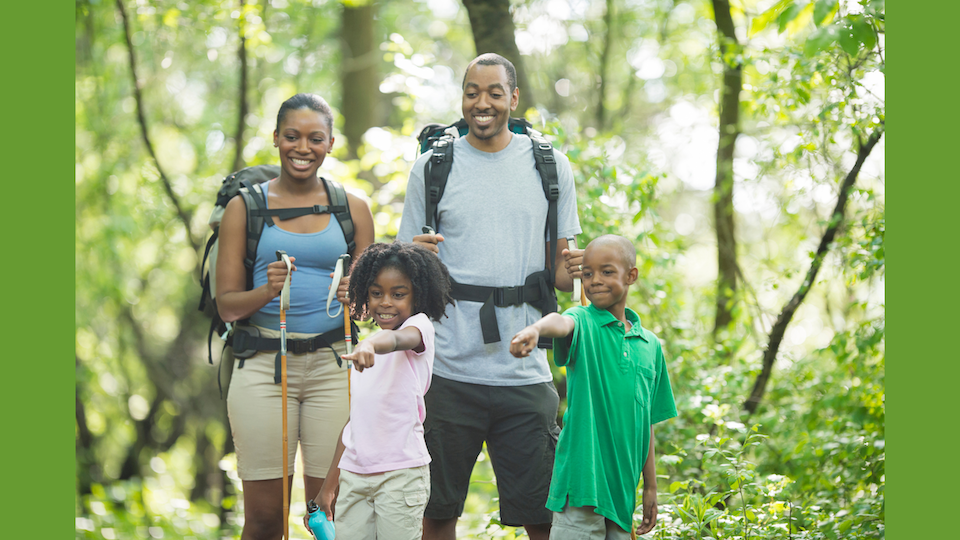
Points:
(617, 388)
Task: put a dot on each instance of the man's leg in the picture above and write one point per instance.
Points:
(521, 443)
(454, 430)
(439, 529)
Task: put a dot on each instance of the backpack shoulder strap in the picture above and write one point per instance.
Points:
(253, 200)
(435, 173)
(340, 206)
(547, 167)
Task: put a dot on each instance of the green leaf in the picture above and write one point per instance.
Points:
(824, 11)
(788, 15)
(848, 42)
(845, 525)
(863, 31)
(768, 16)
(821, 39)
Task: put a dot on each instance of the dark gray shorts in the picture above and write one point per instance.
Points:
(519, 425)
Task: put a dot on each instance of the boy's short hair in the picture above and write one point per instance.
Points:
(625, 249)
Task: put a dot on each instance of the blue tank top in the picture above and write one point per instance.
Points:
(317, 255)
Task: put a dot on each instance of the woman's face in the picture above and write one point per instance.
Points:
(303, 142)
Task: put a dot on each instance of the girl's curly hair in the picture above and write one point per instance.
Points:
(429, 277)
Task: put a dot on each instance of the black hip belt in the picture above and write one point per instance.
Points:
(246, 341)
(537, 290)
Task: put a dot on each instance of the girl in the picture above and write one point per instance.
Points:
(384, 476)
(317, 396)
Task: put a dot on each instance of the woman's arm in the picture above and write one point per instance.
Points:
(234, 302)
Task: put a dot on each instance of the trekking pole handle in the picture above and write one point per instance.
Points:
(428, 230)
(285, 292)
(338, 273)
(572, 244)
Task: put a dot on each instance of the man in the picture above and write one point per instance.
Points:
(490, 234)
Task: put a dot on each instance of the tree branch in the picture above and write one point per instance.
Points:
(185, 217)
(780, 327)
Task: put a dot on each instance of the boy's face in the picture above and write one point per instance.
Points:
(606, 279)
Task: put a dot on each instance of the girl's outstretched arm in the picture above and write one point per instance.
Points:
(383, 342)
(553, 325)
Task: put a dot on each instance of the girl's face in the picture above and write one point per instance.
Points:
(390, 298)
(303, 142)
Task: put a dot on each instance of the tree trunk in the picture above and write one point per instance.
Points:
(359, 76)
(729, 129)
(88, 470)
(493, 31)
(601, 113)
(238, 161)
(786, 314)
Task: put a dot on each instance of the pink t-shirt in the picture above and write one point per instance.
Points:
(385, 431)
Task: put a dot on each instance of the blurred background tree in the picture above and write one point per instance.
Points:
(739, 143)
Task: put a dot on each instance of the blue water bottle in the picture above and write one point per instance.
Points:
(320, 526)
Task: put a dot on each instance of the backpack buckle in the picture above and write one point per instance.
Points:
(434, 194)
(508, 296)
(553, 192)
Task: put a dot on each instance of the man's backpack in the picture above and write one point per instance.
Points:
(538, 288)
(246, 183)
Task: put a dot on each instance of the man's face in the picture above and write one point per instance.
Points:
(487, 102)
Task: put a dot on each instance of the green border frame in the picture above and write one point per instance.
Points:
(38, 399)
(922, 380)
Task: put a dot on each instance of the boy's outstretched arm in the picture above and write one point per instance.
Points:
(383, 342)
(553, 325)
(649, 491)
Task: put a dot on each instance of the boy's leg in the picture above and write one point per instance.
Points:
(354, 517)
(399, 501)
(579, 523)
(454, 430)
(522, 443)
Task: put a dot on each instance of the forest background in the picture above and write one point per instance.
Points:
(654, 213)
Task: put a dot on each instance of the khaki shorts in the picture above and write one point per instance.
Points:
(317, 409)
(582, 523)
(383, 506)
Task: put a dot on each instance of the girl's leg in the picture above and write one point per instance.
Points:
(399, 502)
(355, 518)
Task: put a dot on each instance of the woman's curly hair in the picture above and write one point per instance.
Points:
(429, 277)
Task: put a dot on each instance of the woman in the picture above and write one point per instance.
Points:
(317, 388)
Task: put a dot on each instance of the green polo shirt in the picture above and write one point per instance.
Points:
(617, 387)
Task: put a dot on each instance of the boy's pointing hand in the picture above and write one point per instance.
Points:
(524, 342)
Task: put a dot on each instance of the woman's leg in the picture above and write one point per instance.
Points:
(263, 509)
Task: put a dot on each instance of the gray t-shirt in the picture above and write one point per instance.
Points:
(493, 217)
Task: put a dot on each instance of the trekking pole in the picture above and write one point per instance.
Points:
(578, 293)
(340, 270)
(347, 326)
(284, 305)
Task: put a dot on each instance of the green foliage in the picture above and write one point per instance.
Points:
(152, 443)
